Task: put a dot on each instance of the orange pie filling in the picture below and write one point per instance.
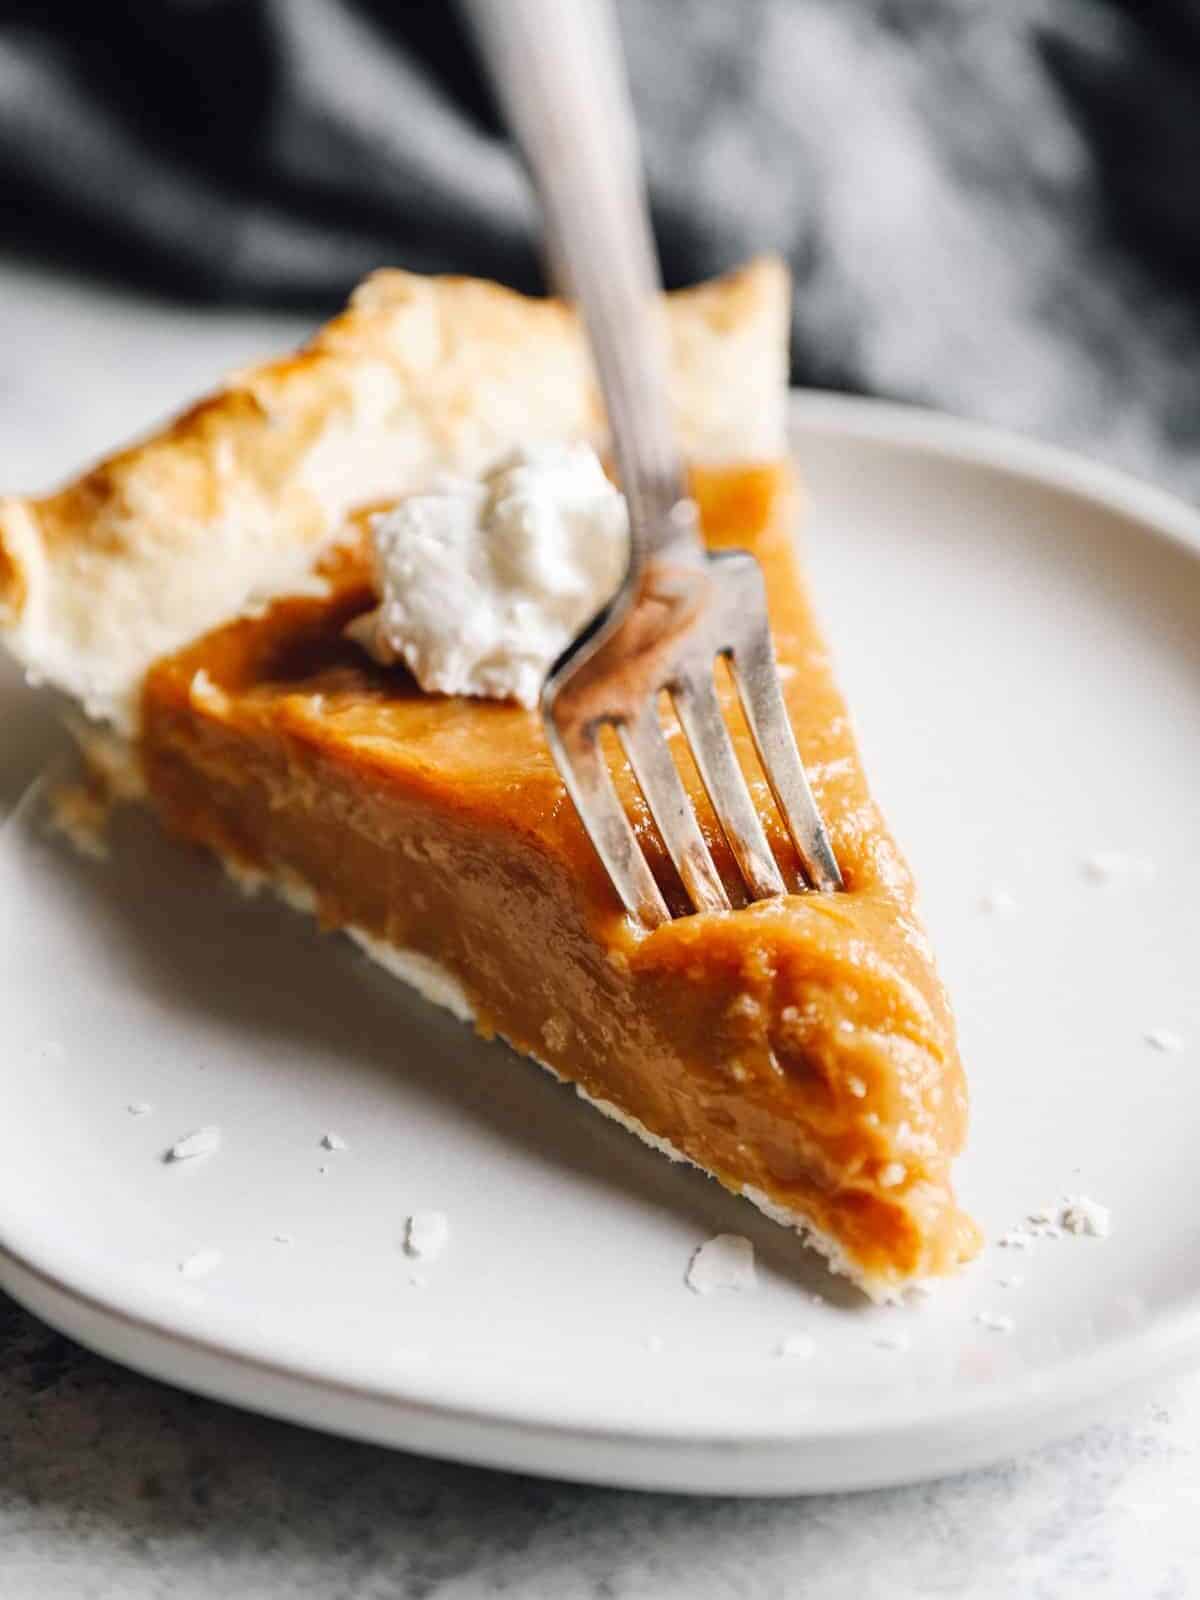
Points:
(801, 1050)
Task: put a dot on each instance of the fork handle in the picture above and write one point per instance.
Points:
(558, 67)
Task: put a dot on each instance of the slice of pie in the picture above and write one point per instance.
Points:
(191, 595)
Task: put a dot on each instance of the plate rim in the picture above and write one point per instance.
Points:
(1165, 513)
(1037, 1404)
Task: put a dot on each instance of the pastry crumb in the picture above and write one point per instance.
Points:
(725, 1261)
(1073, 1214)
(995, 1321)
(138, 1108)
(283, 1238)
(1013, 1282)
(200, 1263)
(1016, 1239)
(893, 1340)
(997, 901)
(201, 1143)
(1164, 1039)
(426, 1234)
(1108, 866)
(1081, 1215)
(332, 1141)
(797, 1347)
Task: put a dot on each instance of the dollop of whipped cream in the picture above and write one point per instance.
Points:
(484, 581)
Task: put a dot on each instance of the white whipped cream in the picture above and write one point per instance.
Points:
(483, 582)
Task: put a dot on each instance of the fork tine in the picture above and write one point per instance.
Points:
(650, 757)
(757, 678)
(585, 773)
(699, 710)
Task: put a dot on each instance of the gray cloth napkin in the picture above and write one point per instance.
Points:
(993, 208)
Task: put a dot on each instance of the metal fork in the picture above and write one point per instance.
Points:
(558, 66)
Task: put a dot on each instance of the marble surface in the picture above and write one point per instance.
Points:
(111, 1485)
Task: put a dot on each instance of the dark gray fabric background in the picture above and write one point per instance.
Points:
(991, 205)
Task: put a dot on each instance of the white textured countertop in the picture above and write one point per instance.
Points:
(111, 1485)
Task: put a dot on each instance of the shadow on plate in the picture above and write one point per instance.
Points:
(178, 920)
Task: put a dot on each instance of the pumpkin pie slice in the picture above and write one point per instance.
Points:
(191, 596)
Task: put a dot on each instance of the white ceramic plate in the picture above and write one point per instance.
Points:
(1019, 633)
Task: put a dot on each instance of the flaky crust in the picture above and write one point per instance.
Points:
(229, 504)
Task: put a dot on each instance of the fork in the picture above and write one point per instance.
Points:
(559, 71)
